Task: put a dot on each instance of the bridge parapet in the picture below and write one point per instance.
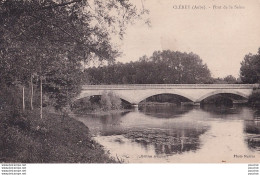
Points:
(170, 86)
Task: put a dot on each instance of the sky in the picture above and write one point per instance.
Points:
(221, 37)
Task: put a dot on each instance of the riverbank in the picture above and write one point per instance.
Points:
(54, 139)
(102, 112)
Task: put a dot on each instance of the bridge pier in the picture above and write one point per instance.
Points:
(196, 103)
(135, 107)
(190, 103)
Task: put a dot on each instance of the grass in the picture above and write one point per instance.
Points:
(54, 139)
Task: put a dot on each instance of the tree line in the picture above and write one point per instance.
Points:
(163, 67)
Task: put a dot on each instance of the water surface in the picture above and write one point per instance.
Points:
(175, 134)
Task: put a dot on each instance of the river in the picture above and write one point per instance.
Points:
(179, 134)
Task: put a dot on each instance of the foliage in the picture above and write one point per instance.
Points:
(9, 100)
(86, 104)
(250, 68)
(166, 98)
(62, 84)
(50, 39)
(162, 67)
(106, 102)
(110, 101)
(230, 79)
(254, 98)
(226, 80)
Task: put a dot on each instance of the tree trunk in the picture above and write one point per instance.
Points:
(41, 97)
(23, 100)
(31, 92)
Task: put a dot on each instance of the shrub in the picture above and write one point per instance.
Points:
(107, 101)
(110, 101)
(254, 98)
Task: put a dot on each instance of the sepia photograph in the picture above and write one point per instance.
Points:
(129, 82)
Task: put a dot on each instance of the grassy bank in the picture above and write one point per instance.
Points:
(53, 139)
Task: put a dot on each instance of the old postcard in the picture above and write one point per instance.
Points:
(139, 81)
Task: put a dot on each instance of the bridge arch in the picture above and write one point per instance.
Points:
(170, 93)
(99, 93)
(216, 92)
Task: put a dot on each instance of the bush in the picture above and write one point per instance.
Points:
(107, 101)
(82, 104)
(254, 98)
(110, 101)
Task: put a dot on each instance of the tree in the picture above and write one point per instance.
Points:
(250, 68)
(163, 67)
(42, 36)
(63, 83)
(230, 79)
(109, 101)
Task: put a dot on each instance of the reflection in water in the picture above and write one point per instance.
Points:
(173, 141)
(165, 111)
(195, 134)
(221, 109)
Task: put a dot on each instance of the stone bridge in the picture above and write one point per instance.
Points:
(135, 93)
